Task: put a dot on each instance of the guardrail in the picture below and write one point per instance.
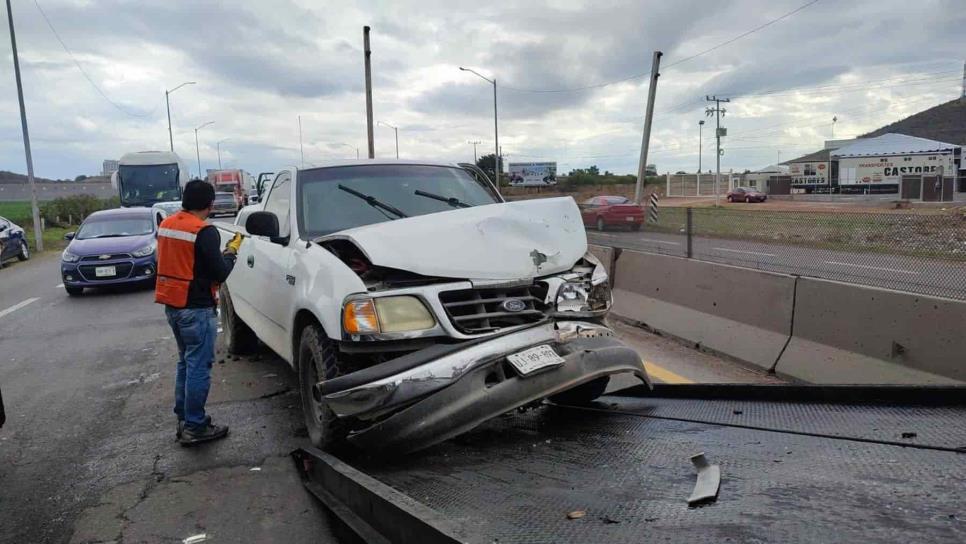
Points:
(814, 330)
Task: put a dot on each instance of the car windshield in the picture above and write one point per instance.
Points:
(145, 185)
(615, 200)
(115, 227)
(334, 199)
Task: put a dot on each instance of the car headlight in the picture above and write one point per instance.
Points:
(386, 314)
(146, 250)
(69, 257)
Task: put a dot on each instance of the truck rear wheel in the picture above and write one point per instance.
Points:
(318, 360)
(239, 338)
(584, 393)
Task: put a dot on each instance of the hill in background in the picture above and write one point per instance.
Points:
(945, 123)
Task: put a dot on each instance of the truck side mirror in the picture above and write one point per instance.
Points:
(69, 236)
(262, 224)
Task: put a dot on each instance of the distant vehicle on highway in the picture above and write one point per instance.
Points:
(746, 194)
(13, 242)
(152, 179)
(255, 195)
(235, 181)
(611, 211)
(111, 247)
(225, 203)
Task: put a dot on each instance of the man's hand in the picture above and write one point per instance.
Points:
(233, 244)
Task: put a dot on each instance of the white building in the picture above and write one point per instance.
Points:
(109, 167)
(877, 165)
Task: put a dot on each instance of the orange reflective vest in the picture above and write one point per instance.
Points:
(176, 259)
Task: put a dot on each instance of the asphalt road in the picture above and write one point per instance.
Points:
(88, 452)
(915, 274)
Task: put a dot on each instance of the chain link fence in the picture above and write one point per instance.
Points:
(915, 252)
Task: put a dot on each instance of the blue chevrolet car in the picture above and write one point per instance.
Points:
(111, 247)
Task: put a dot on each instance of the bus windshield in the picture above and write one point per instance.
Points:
(146, 185)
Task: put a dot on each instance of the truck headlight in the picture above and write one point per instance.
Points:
(581, 297)
(146, 250)
(69, 257)
(386, 314)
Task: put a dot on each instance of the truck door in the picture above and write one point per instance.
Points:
(271, 262)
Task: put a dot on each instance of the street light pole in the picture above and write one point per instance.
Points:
(396, 131)
(38, 235)
(496, 128)
(197, 148)
(167, 104)
(301, 150)
(218, 147)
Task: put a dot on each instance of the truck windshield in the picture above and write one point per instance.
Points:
(145, 185)
(325, 208)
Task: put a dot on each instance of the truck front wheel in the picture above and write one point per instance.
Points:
(318, 360)
(239, 338)
(584, 393)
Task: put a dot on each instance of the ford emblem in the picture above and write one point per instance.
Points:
(513, 305)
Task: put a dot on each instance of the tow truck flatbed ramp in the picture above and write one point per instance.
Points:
(823, 464)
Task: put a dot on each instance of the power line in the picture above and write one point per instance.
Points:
(84, 72)
(675, 63)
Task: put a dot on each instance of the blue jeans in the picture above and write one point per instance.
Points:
(194, 330)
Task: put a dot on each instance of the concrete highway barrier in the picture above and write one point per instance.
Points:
(743, 313)
(607, 256)
(813, 330)
(847, 333)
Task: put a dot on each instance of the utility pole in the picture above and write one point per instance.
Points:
(167, 104)
(963, 96)
(697, 189)
(396, 131)
(474, 143)
(368, 52)
(718, 112)
(496, 129)
(301, 150)
(38, 235)
(197, 148)
(648, 117)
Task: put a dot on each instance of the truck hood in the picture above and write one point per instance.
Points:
(508, 241)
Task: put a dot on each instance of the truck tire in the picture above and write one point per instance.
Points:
(239, 337)
(584, 393)
(318, 360)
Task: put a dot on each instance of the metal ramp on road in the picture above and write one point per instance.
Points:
(798, 464)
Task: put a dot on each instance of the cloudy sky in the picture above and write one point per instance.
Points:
(260, 64)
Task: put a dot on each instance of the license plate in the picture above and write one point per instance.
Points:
(105, 271)
(630, 219)
(529, 361)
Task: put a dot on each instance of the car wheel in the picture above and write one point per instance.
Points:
(636, 227)
(239, 337)
(600, 224)
(748, 199)
(584, 393)
(729, 198)
(74, 291)
(318, 361)
(24, 251)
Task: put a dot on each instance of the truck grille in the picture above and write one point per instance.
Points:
(474, 311)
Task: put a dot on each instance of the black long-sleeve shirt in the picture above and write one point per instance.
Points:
(210, 266)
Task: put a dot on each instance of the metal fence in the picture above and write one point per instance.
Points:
(916, 252)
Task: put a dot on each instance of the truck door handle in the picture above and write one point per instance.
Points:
(251, 261)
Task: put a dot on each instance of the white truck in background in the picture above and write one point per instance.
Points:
(151, 179)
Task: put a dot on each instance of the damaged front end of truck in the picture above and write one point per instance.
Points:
(467, 315)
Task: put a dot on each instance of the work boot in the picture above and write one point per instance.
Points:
(211, 432)
(180, 430)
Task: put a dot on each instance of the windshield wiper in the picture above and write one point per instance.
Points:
(373, 201)
(452, 200)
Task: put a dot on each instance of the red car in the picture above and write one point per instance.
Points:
(746, 194)
(611, 211)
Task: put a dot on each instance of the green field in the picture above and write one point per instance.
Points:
(18, 212)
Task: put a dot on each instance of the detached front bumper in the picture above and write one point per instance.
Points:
(452, 394)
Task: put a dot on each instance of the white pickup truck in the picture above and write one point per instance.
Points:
(415, 303)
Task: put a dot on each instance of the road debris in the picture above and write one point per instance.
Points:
(909, 435)
(708, 482)
(576, 514)
(195, 539)
(255, 469)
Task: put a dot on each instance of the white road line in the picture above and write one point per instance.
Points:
(659, 241)
(16, 307)
(745, 252)
(58, 286)
(875, 268)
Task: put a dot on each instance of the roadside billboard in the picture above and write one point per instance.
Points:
(874, 170)
(809, 173)
(533, 173)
